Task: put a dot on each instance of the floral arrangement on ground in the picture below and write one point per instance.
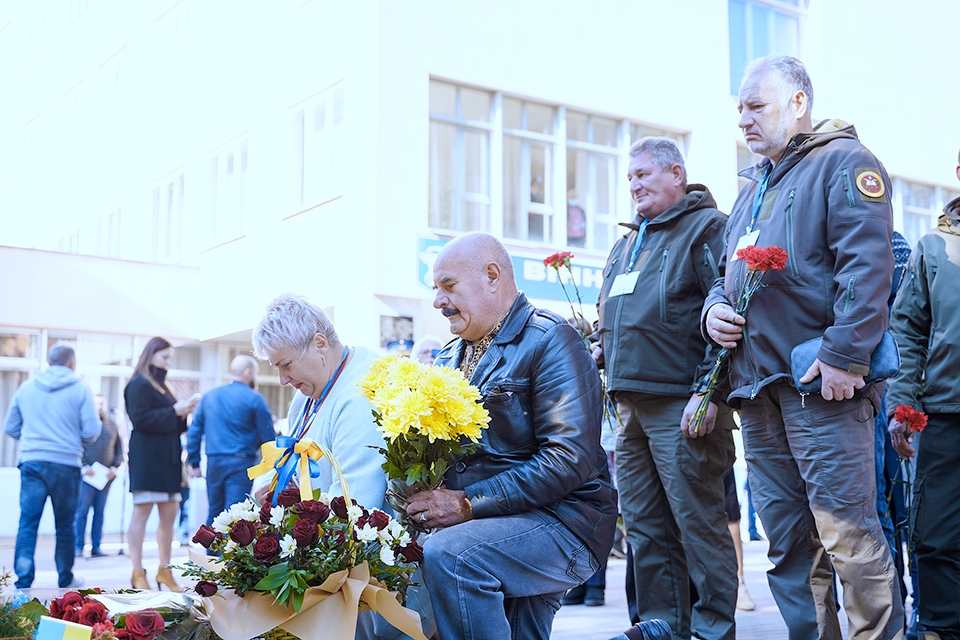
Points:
(287, 548)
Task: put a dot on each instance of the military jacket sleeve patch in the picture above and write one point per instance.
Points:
(871, 186)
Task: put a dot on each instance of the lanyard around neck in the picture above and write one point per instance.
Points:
(758, 196)
(636, 247)
(312, 406)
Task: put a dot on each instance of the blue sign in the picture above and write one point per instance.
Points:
(533, 278)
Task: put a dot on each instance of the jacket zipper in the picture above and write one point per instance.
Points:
(709, 262)
(850, 294)
(610, 358)
(848, 187)
(791, 258)
(663, 287)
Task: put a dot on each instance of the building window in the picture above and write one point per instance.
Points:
(227, 184)
(917, 207)
(517, 191)
(108, 235)
(113, 74)
(76, 8)
(168, 205)
(460, 128)
(317, 141)
(762, 27)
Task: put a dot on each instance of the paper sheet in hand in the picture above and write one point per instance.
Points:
(99, 478)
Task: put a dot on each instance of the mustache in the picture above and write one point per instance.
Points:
(449, 311)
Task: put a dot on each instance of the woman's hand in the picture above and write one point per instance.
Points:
(186, 407)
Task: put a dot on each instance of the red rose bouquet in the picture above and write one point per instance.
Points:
(119, 622)
(288, 548)
(759, 261)
(910, 418)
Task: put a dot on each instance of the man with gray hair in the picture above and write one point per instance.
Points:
(53, 416)
(822, 196)
(670, 478)
(234, 421)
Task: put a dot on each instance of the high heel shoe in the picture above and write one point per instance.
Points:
(139, 580)
(165, 578)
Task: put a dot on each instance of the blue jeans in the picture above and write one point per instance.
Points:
(227, 482)
(91, 497)
(811, 468)
(39, 480)
(503, 577)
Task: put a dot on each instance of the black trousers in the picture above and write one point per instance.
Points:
(936, 524)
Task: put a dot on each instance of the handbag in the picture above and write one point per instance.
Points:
(884, 362)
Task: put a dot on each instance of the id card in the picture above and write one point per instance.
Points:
(746, 240)
(624, 283)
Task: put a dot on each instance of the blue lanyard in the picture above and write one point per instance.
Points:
(758, 196)
(313, 406)
(636, 248)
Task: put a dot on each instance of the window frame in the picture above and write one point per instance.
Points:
(313, 149)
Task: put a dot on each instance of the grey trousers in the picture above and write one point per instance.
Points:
(811, 469)
(671, 498)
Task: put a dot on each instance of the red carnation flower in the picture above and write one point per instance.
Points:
(763, 258)
(910, 418)
(559, 259)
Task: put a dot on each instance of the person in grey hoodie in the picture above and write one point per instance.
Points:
(53, 417)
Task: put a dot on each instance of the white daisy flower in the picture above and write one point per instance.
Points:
(287, 546)
(403, 540)
(396, 529)
(386, 556)
(230, 547)
(354, 513)
(224, 522)
(276, 516)
(366, 533)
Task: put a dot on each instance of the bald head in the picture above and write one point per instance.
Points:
(475, 284)
(244, 369)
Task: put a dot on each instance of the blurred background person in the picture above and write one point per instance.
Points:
(157, 419)
(426, 349)
(232, 421)
(106, 450)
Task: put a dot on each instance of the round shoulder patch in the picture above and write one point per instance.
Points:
(870, 184)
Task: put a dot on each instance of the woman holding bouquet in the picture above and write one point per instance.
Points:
(299, 340)
(157, 419)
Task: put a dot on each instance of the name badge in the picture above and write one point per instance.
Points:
(624, 283)
(746, 240)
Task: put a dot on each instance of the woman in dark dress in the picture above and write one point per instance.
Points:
(157, 420)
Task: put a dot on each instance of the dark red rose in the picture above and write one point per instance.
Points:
(361, 521)
(243, 532)
(71, 599)
(379, 519)
(144, 625)
(412, 552)
(206, 588)
(306, 533)
(265, 512)
(289, 497)
(267, 547)
(205, 536)
(339, 507)
(335, 537)
(313, 510)
(122, 634)
(93, 612)
(56, 609)
(71, 614)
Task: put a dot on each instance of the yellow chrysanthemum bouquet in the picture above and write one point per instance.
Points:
(428, 416)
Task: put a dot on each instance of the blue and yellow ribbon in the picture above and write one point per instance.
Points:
(287, 456)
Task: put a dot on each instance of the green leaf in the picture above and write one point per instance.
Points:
(278, 574)
(32, 610)
(297, 601)
(416, 472)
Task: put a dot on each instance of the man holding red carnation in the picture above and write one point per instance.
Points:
(821, 196)
(926, 324)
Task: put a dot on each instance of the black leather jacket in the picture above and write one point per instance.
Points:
(542, 449)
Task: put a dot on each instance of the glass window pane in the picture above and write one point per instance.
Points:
(539, 175)
(918, 195)
(738, 43)
(512, 112)
(319, 117)
(601, 236)
(760, 30)
(443, 98)
(512, 194)
(443, 139)
(604, 132)
(576, 126)
(786, 34)
(476, 164)
(18, 345)
(186, 358)
(605, 180)
(576, 220)
(539, 118)
(475, 217)
(915, 226)
(474, 105)
(338, 107)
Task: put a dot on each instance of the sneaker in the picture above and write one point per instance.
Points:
(744, 601)
(574, 596)
(76, 583)
(96, 553)
(649, 630)
(593, 597)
